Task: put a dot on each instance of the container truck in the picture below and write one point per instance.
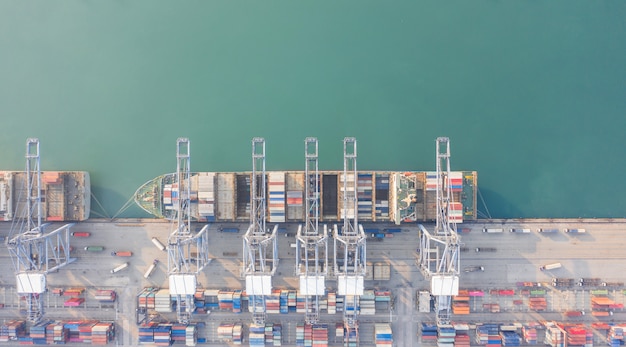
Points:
(120, 267)
(151, 268)
(491, 230)
(548, 230)
(158, 243)
(575, 231)
(94, 248)
(81, 234)
(551, 266)
(523, 231)
(474, 268)
(122, 253)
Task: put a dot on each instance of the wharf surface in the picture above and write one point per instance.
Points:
(598, 253)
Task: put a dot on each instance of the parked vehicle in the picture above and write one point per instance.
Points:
(158, 243)
(548, 230)
(151, 268)
(575, 231)
(474, 268)
(524, 231)
(94, 248)
(122, 253)
(491, 231)
(120, 267)
(552, 266)
(485, 249)
(81, 234)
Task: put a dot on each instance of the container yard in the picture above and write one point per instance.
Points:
(289, 278)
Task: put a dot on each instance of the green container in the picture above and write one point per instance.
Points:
(94, 248)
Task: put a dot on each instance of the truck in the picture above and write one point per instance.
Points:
(575, 231)
(485, 249)
(158, 243)
(122, 253)
(547, 230)
(474, 268)
(81, 234)
(551, 266)
(151, 268)
(523, 231)
(120, 267)
(94, 248)
(492, 230)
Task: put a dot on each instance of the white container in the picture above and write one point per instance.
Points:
(119, 268)
(491, 231)
(158, 243)
(552, 266)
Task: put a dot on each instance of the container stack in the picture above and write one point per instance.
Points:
(225, 331)
(272, 302)
(351, 336)
(429, 332)
(56, 333)
(382, 271)
(460, 303)
(332, 303)
(382, 200)
(191, 335)
(445, 335)
(210, 299)
(163, 335)
(284, 301)
(615, 336)
(351, 304)
(577, 336)
(276, 197)
(102, 333)
(73, 302)
(38, 333)
(339, 301)
(206, 196)
(225, 300)
(530, 335)
(510, 338)
(488, 334)
(602, 306)
(554, 335)
(178, 333)
(198, 301)
(537, 303)
(491, 307)
(145, 299)
(146, 333)
(369, 270)
(364, 195)
(73, 292)
(300, 303)
(461, 337)
(238, 334)
(256, 336)
(382, 335)
(105, 295)
(237, 301)
(162, 301)
(84, 331)
(367, 303)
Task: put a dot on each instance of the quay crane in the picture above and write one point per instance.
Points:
(35, 252)
(187, 251)
(350, 243)
(311, 243)
(259, 243)
(439, 257)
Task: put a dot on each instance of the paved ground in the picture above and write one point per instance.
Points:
(517, 258)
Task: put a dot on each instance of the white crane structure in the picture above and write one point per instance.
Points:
(311, 242)
(260, 250)
(35, 252)
(439, 257)
(187, 251)
(349, 241)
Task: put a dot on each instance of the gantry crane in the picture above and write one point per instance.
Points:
(260, 250)
(311, 242)
(439, 252)
(349, 242)
(187, 251)
(35, 252)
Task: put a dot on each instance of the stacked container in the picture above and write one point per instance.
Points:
(73, 302)
(460, 303)
(367, 303)
(38, 333)
(364, 196)
(429, 332)
(191, 335)
(553, 336)
(163, 335)
(537, 303)
(272, 302)
(351, 304)
(292, 300)
(162, 301)
(615, 336)
(445, 335)
(284, 301)
(351, 336)
(332, 303)
(105, 295)
(510, 338)
(530, 335)
(102, 333)
(461, 337)
(225, 300)
(382, 195)
(238, 334)
(210, 299)
(146, 332)
(577, 336)
(277, 197)
(348, 181)
(145, 299)
(382, 335)
(488, 334)
(206, 197)
(237, 301)
(256, 336)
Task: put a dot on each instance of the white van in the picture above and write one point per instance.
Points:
(550, 266)
(158, 243)
(119, 268)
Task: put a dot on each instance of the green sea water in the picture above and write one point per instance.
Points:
(532, 94)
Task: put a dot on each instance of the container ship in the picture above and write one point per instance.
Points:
(382, 196)
(66, 195)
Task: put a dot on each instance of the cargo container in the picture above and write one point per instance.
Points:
(151, 268)
(81, 234)
(524, 231)
(120, 267)
(94, 248)
(122, 253)
(491, 231)
(158, 243)
(548, 230)
(552, 266)
(575, 231)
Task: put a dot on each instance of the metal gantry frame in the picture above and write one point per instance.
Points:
(260, 249)
(34, 252)
(311, 242)
(187, 251)
(439, 257)
(350, 241)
